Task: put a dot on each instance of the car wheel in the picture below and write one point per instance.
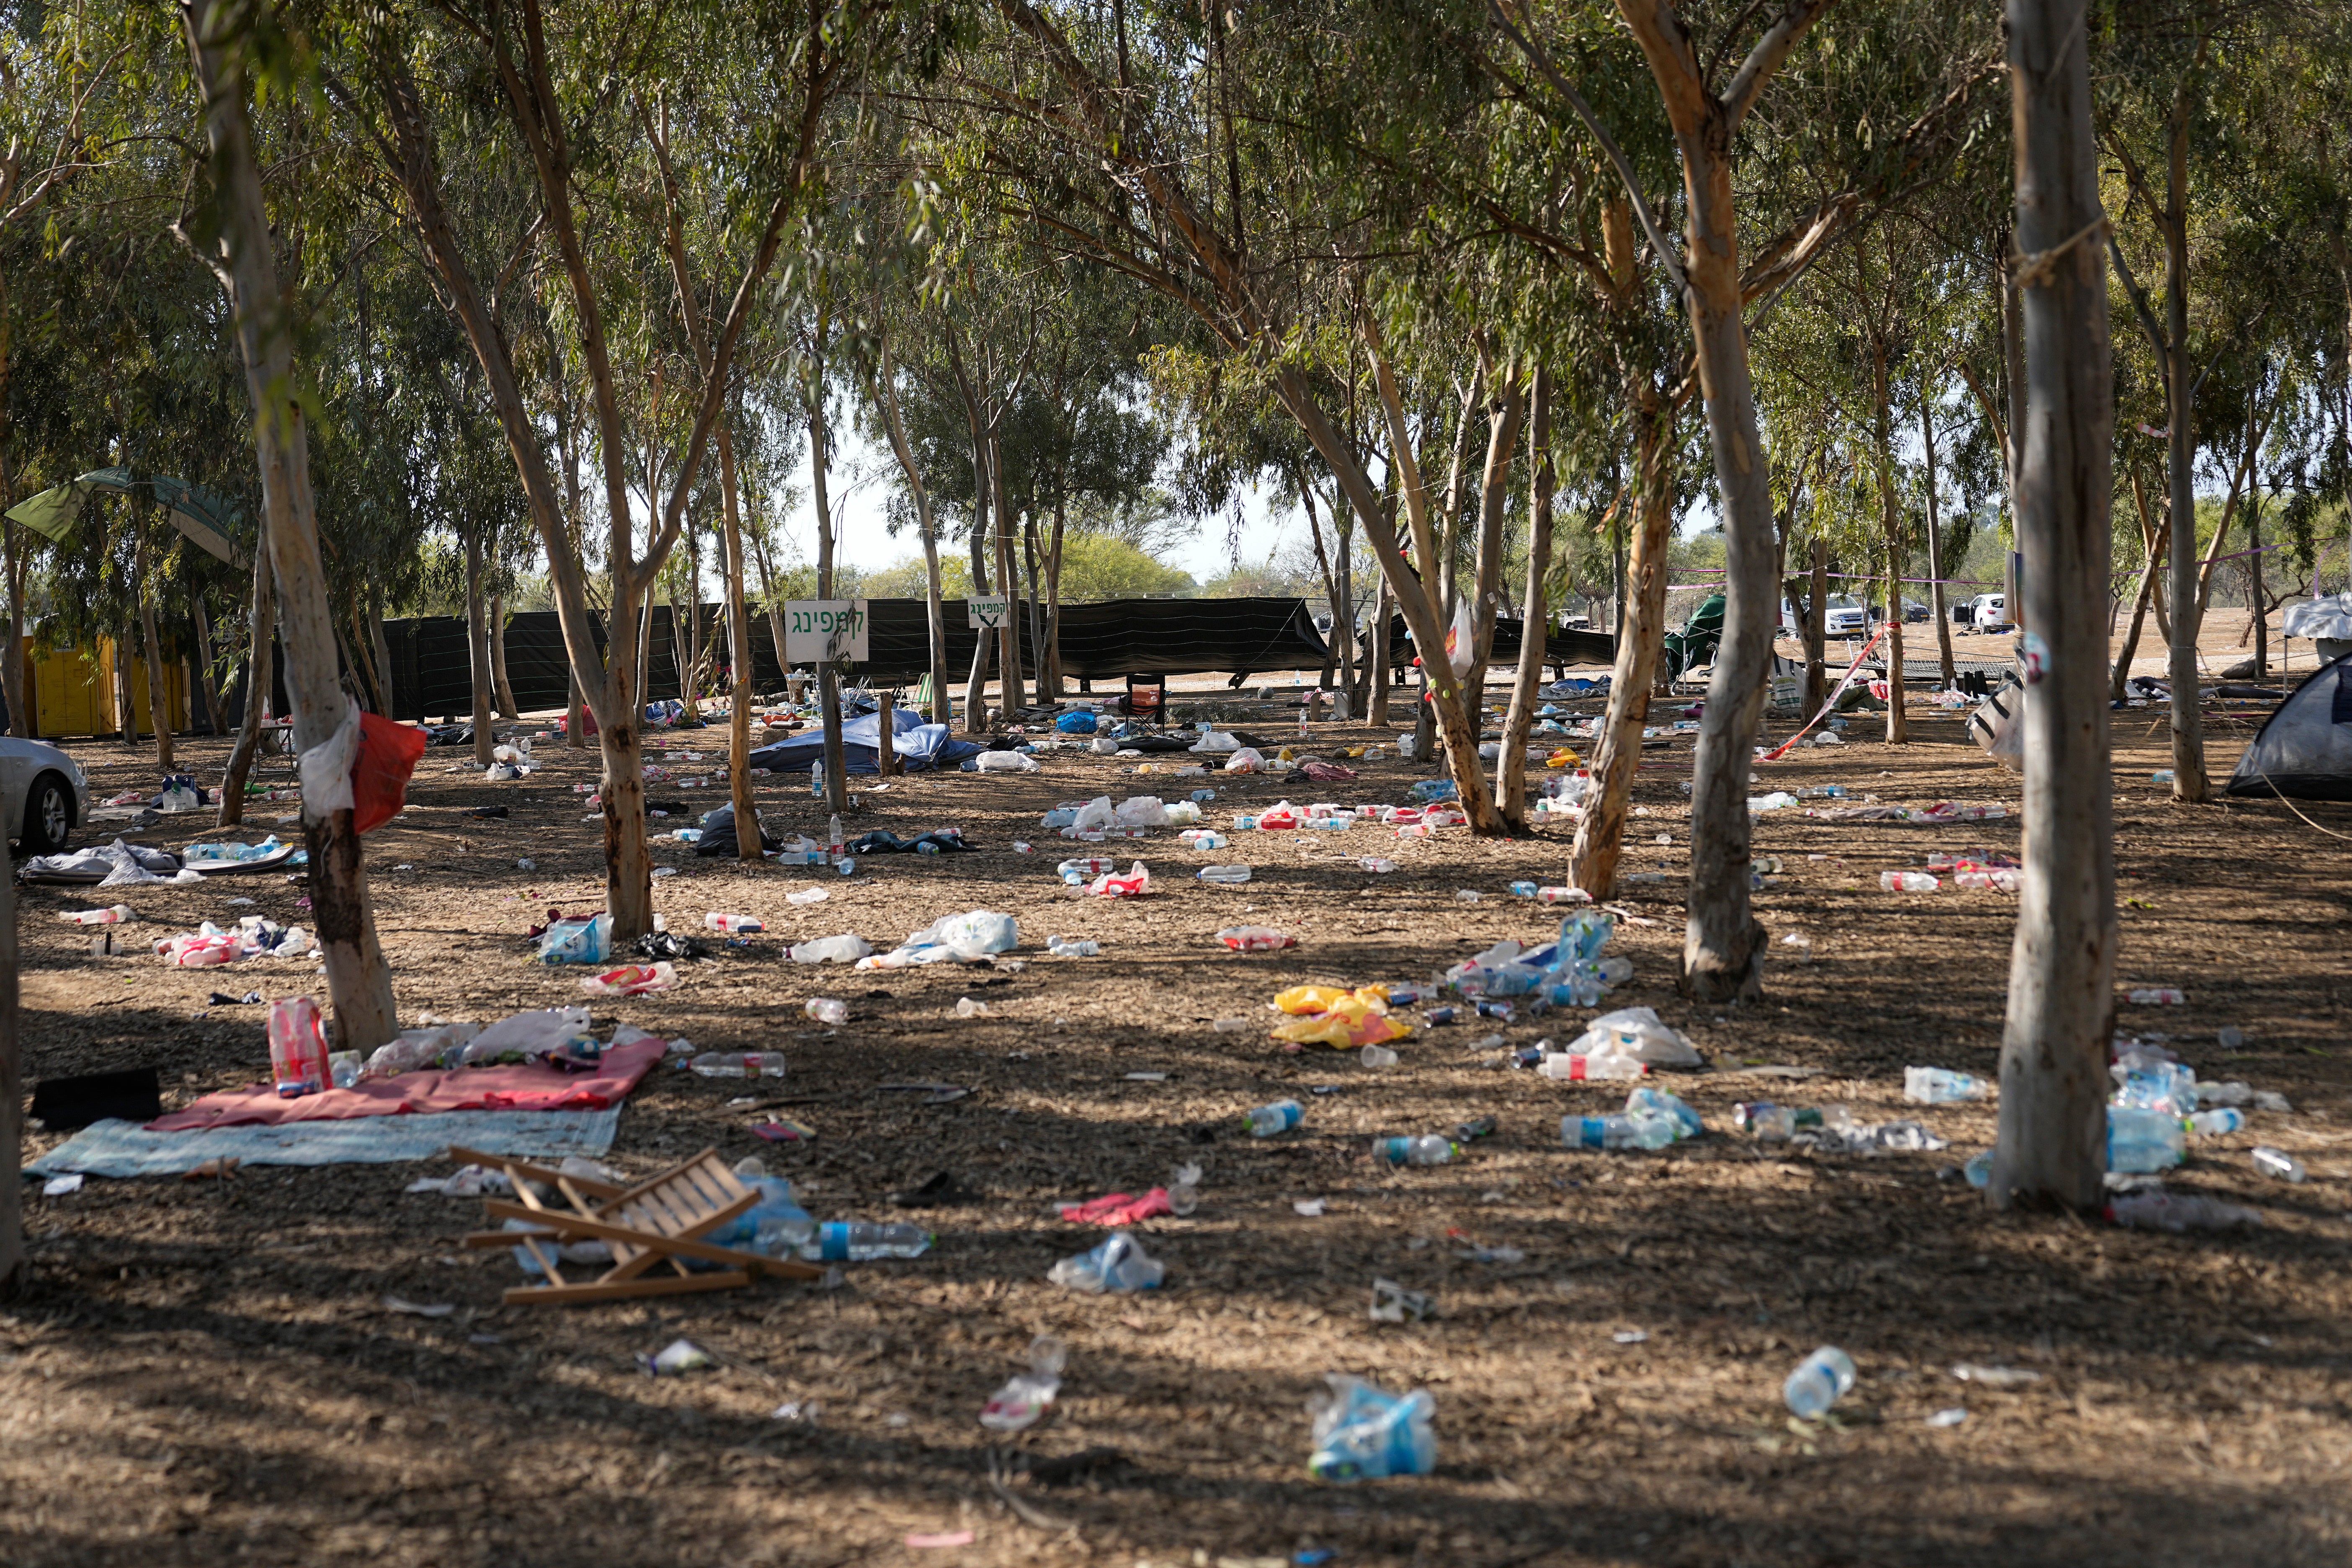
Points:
(48, 816)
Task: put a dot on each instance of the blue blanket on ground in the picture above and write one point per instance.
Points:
(113, 1148)
(919, 745)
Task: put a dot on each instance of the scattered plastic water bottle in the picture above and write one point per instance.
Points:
(1562, 896)
(1979, 1169)
(2213, 1124)
(1268, 1119)
(1118, 1264)
(738, 1064)
(1907, 883)
(1361, 1433)
(2278, 1164)
(862, 1241)
(343, 1067)
(1072, 946)
(2155, 1209)
(968, 1008)
(734, 925)
(114, 916)
(1203, 796)
(1821, 1379)
(1524, 890)
(1230, 876)
(1568, 1067)
(1778, 1123)
(1085, 869)
(1210, 841)
(1940, 1085)
(1377, 863)
(1377, 1057)
(1244, 825)
(1660, 1102)
(847, 866)
(1429, 1148)
(825, 1010)
(298, 1047)
(2158, 996)
(2161, 775)
(816, 779)
(2141, 1140)
(1618, 1132)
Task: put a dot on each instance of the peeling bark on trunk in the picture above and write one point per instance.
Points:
(942, 707)
(358, 979)
(478, 651)
(828, 680)
(1494, 496)
(500, 686)
(215, 715)
(2053, 1081)
(151, 664)
(1936, 604)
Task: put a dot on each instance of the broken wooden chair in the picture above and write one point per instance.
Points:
(653, 1229)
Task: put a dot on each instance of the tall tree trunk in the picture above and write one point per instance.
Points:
(478, 650)
(942, 707)
(325, 723)
(260, 678)
(383, 646)
(215, 715)
(1817, 622)
(2188, 781)
(16, 1271)
(2121, 682)
(1617, 753)
(156, 691)
(1008, 658)
(504, 688)
(975, 694)
(1377, 714)
(2256, 605)
(828, 677)
(2053, 1082)
(12, 561)
(740, 793)
(1936, 545)
(1036, 607)
(1052, 652)
(1890, 523)
(1511, 761)
(1494, 497)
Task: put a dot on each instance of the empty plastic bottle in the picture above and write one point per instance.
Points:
(2155, 1209)
(1429, 1148)
(1940, 1085)
(1661, 1102)
(2212, 1123)
(1562, 896)
(739, 1064)
(1821, 1379)
(816, 779)
(1118, 1264)
(2140, 1141)
(1524, 890)
(1229, 875)
(2278, 1163)
(1618, 1132)
(862, 1241)
(734, 925)
(1203, 796)
(1907, 883)
(108, 917)
(2158, 996)
(1072, 946)
(1268, 1119)
(1377, 863)
(1210, 841)
(825, 1010)
(1774, 1123)
(1377, 1057)
(1571, 1069)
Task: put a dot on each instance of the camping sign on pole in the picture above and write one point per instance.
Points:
(988, 613)
(818, 631)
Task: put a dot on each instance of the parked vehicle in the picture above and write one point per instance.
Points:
(43, 794)
(1991, 610)
(1848, 616)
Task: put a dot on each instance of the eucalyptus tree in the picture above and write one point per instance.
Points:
(500, 81)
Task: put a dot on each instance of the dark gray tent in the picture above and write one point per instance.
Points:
(2305, 750)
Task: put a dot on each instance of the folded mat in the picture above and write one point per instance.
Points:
(527, 1088)
(124, 1149)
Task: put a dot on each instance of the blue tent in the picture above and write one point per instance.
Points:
(919, 745)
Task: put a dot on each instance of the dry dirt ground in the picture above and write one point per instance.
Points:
(203, 1372)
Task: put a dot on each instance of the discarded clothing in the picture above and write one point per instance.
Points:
(525, 1087)
(881, 841)
(1119, 1208)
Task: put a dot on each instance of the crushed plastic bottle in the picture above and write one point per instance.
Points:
(1022, 1400)
(1209, 839)
(1268, 1119)
(1377, 863)
(1940, 1085)
(826, 1010)
(1571, 1069)
(2278, 1164)
(1777, 1123)
(1119, 1263)
(1660, 1102)
(738, 1064)
(2141, 1140)
(1619, 1132)
(2158, 996)
(1819, 1381)
(862, 1241)
(2213, 1124)
(1072, 946)
(1079, 872)
(107, 917)
(1255, 939)
(1229, 875)
(1907, 883)
(298, 1047)
(1361, 1433)
(847, 948)
(1429, 1148)
(734, 925)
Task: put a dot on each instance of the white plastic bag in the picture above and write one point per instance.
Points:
(973, 935)
(1216, 740)
(1004, 762)
(1462, 640)
(1095, 815)
(1246, 761)
(1636, 1032)
(1142, 811)
(527, 1035)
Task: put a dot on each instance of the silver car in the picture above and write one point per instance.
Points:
(43, 795)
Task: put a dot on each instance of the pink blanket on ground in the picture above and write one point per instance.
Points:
(526, 1087)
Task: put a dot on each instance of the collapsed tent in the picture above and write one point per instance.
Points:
(917, 744)
(2305, 749)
